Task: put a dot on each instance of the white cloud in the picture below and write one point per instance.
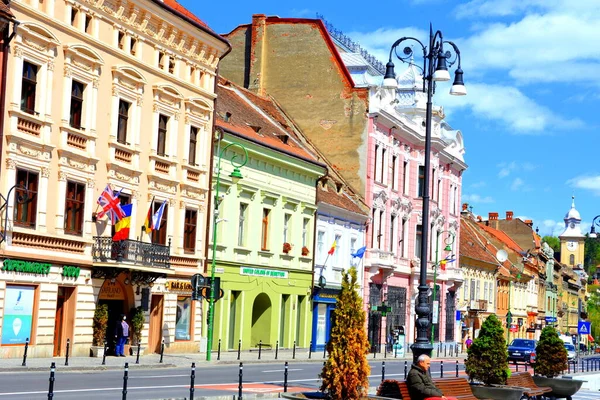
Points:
(475, 198)
(379, 42)
(503, 8)
(550, 227)
(478, 185)
(517, 184)
(589, 182)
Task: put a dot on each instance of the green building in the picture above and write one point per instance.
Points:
(265, 225)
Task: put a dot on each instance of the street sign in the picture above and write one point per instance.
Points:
(550, 320)
(436, 312)
(509, 318)
(583, 327)
(197, 282)
(513, 328)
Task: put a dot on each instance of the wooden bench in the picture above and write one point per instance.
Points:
(455, 387)
(524, 379)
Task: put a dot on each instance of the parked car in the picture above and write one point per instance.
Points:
(571, 354)
(522, 350)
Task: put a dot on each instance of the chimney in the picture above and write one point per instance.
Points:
(493, 220)
(257, 52)
(509, 215)
(465, 206)
(529, 223)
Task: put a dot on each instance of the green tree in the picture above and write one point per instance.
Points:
(593, 310)
(487, 358)
(551, 355)
(553, 242)
(345, 375)
(592, 254)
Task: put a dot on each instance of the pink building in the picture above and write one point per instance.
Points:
(395, 175)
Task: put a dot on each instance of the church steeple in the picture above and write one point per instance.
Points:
(572, 241)
(572, 222)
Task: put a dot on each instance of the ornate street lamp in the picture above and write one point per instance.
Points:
(435, 69)
(595, 221)
(235, 176)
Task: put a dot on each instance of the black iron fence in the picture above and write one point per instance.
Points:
(134, 251)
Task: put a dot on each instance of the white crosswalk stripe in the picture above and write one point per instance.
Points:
(586, 395)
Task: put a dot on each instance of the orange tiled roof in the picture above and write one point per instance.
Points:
(341, 200)
(472, 244)
(503, 237)
(182, 10)
(5, 10)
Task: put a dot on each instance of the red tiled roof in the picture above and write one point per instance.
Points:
(472, 243)
(5, 10)
(233, 100)
(503, 237)
(182, 10)
(341, 200)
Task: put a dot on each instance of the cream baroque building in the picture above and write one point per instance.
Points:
(104, 92)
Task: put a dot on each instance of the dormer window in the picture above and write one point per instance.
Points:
(227, 117)
(283, 138)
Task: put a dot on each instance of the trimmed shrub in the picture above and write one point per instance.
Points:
(389, 388)
(550, 353)
(487, 358)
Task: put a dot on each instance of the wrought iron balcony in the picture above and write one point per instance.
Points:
(131, 251)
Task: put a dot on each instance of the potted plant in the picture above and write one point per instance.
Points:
(100, 324)
(287, 247)
(345, 375)
(551, 361)
(305, 251)
(137, 326)
(487, 362)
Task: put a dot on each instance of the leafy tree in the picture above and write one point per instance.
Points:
(592, 254)
(553, 242)
(551, 355)
(593, 309)
(345, 375)
(487, 358)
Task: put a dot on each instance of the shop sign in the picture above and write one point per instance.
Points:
(29, 267)
(538, 327)
(513, 328)
(111, 291)
(530, 330)
(179, 286)
(71, 272)
(267, 273)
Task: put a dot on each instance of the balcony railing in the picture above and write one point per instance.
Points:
(131, 251)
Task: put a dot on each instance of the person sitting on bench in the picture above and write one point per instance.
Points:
(420, 385)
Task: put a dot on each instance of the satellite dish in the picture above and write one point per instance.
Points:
(502, 255)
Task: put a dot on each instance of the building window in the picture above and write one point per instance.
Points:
(77, 89)
(472, 289)
(123, 121)
(74, 13)
(305, 229)
(189, 231)
(320, 244)
(171, 65)
(485, 290)
(74, 207)
(28, 87)
(161, 59)
(160, 236)
(477, 290)
(242, 224)
(353, 245)
(193, 75)
(404, 177)
(88, 24)
(418, 241)
(439, 193)
(163, 120)
(121, 40)
(286, 228)
(338, 251)
(183, 318)
(466, 290)
(264, 242)
(132, 46)
(26, 212)
(382, 177)
(394, 177)
(402, 236)
(421, 182)
(193, 145)
(376, 163)
(380, 229)
(392, 236)
(572, 259)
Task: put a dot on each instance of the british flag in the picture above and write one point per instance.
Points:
(111, 205)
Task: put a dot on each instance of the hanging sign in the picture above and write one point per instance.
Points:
(436, 312)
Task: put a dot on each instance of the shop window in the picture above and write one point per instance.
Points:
(77, 89)
(161, 144)
(189, 233)
(74, 207)
(26, 211)
(183, 319)
(18, 312)
(123, 121)
(28, 87)
(193, 145)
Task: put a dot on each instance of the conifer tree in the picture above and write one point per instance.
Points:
(345, 375)
(487, 358)
(551, 355)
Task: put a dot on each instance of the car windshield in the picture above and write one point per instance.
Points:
(523, 343)
(569, 347)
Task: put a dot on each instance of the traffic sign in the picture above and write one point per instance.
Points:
(550, 320)
(583, 327)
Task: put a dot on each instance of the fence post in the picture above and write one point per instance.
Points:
(525, 366)
(374, 352)
(294, 351)
(105, 351)
(325, 350)
(457, 368)
(516, 366)
(276, 349)
(259, 348)
(162, 351)
(395, 351)
(385, 351)
(441, 369)
(51, 386)
(310, 350)
(125, 377)
(240, 383)
(67, 353)
(445, 348)
(383, 371)
(405, 369)
(239, 349)
(219, 351)
(137, 357)
(25, 352)
(192, 378)
(285, 378)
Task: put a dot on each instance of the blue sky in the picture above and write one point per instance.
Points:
(532, 71)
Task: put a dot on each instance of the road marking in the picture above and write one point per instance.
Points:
(156, 376)
(282, 370)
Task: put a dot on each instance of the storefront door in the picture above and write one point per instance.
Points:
(64, 319)
(156, 321)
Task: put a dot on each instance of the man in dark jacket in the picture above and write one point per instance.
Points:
(420, 385)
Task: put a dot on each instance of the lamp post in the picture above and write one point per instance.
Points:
(435, 68)
(448, 241)
(235, 176)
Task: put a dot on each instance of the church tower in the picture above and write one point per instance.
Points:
(572, 241)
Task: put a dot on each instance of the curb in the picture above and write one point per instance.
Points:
(86, 368)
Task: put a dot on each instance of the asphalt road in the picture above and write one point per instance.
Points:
(175, 382)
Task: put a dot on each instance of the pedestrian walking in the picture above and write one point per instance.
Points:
(468, 342)
(121, 334)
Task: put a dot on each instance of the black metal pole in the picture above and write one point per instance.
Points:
(239, 349)
(51, 386)
(325, 350)
(395, 351)
(105, 351)
(240, 382)
(310, 350)
(383, 371)
(405, 369)
(25, 352)
(445, 348)
(457, 368)
(219, 351)
(67, 354)
(276, 349)
(441, 369)
(162, 351)
(137, 357)
(259, 348)
(294, 351)
(125, 377)
(192, 378)
(386, 350)
(285, 378)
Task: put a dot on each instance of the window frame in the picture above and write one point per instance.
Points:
(190, 227)
(76, 109)
(161, 141)
(264, 240)
(123, 122)
(160, 236)
(74, 208)
(242, 223)
(421, 181)
(193, 145)
(30, 220)
(29, 88)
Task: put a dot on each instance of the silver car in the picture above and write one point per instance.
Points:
(570, 351)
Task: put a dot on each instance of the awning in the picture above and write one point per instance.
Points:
(590, 338)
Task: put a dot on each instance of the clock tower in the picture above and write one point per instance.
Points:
(572, 240)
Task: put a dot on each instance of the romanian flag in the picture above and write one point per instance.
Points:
(122, 227)
(332, 249)
(148, 222)
(443, 264)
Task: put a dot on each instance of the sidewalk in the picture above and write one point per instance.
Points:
(152, 361)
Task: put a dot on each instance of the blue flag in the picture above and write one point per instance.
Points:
(360, 252)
